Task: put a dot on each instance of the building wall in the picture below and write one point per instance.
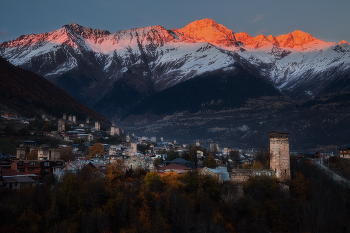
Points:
(242, 175)
(279, 155)
(344, 154)
(43, 153)
(135, 162)
(21, 153)
(205, 171)
(55, 153)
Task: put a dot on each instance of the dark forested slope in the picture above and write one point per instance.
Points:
(215, 91)
(29, 93)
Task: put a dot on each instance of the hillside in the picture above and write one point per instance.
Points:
(317, 125)
(212, 91)
(30, 94)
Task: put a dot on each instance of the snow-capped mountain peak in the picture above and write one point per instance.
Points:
(207, 30)
(168, 57)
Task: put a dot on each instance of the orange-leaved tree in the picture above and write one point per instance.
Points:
(115, 174)
(96, 150)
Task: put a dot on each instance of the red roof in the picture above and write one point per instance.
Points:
(175, 166)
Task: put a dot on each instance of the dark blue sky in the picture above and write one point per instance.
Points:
(325, 19)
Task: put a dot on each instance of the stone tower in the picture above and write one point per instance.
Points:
(87, 120)
(64, 116)
(279, 155)
(217, 147)
(112, 132)
(74, 119)
(133, 148)
(61, 125)
(70, 118)
(153, 139)
(211, 148)
(117, 131)
(21, 153)
(127, 137)
(97, 125)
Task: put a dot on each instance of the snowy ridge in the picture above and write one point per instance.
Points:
(172, 56)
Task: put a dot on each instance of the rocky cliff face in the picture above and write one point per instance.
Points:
(90, 63)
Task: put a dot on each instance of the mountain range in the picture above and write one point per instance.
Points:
(93, 64)
(203, 66)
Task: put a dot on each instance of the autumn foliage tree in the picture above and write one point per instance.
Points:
(33, 154)
(96, 150)
(95, 200)
(66, 154)
(210, 162)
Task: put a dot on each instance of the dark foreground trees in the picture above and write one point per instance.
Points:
(138, 202)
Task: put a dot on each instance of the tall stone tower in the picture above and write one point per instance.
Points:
(280, 157)
(97, 125)
(74, 119)
(61, 125)
(64, 116)
(198, 143)
(133, 148)
(217, 147)
(117, 131)
(127, 137)
(87, 120)
(211, 148)
(112, 132)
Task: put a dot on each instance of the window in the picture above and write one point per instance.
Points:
(46, 164)
(31, 169)
(32, 163)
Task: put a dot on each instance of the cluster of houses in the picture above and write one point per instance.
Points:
(11, 116)
(19, 171)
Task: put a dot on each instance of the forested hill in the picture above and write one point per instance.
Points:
(30, 94)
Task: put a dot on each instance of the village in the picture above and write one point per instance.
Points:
(76, 144)
(78, 162)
